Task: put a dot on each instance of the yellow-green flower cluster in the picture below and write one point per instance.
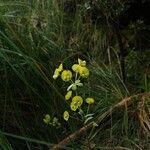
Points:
(81, 68)
(66, 75)
(74, 105)
(80, 71)
(51, 121)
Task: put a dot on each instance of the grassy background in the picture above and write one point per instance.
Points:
(35, 37)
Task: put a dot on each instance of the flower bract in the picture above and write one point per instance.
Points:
(82, 63)
(84, 72)
(76, 68)
(90, 100)
(68, 95)
(76, 102)
(56, 74)
(73, 106)
(55, 121)
(47, 119)
(74, 87)
(60, 68)
(66, 115)
(58, 71)
(66, 75)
